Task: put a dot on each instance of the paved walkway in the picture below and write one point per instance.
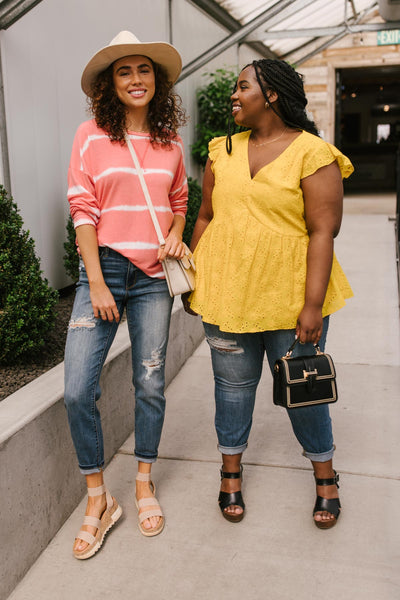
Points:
(276, 553)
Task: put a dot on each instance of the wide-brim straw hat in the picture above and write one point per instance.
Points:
(127, 44)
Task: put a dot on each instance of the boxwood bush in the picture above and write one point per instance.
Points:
(27, 302)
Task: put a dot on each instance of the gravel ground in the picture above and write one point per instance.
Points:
(14, 377)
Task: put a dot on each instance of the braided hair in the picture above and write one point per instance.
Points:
(278, 76)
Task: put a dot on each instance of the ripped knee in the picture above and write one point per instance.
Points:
(223, 345)
(155, 363)
(83, 322)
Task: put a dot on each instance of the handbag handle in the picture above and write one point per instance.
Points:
(145, 189)
(289, 352)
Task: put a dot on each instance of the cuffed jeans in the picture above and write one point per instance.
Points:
(148, 310)
(237, 360)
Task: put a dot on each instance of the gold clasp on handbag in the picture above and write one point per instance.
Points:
(309, 373)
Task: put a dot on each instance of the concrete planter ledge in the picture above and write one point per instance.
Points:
(40, 484)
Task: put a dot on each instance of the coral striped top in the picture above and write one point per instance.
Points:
(104, 191)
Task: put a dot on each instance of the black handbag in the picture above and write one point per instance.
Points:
(304, 380)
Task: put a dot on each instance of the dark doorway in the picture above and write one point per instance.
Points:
(368, 125)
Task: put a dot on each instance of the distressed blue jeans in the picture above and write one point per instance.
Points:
(148, 309)
(237, 360)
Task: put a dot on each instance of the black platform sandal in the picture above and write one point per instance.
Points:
(331, 505)
(226, 499)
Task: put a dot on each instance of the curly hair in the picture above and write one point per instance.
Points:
(278, 76)
(165, 112)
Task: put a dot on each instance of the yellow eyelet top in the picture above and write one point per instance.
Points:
(251, 259)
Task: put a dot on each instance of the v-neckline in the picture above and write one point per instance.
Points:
(271, 161)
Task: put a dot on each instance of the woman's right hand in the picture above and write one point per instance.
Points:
(103, 302)
(186, 304)
(309, 324)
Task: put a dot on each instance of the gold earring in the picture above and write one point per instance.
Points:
(266, 105)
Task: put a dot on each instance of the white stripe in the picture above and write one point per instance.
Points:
(158, 140)
(89, 139)
(136, 208)
(133, 246)
(159, 172)
(83, 222)
(92, 138)
(139, 137)
(179, 189)
(179, 145)
(132, 171)
(95, 212)
(115, 170)
(77, 189)
(158, 275)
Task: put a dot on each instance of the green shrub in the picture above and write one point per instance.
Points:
(194, 201)
(214, 106)
(71, 256)
(27, 302)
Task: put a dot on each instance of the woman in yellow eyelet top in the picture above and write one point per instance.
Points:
(266, 270)
(251, 260)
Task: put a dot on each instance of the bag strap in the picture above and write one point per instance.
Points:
(145, 189)
(289, 352)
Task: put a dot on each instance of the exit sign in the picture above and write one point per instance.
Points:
(385, 38)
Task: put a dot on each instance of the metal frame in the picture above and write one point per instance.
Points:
(12, 10)
(324, 31)
(3, 134)
(347, 24)
(238, 36)
(397, 221)
(219, 14)
(283, 14)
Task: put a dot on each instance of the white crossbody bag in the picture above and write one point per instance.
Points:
(179, 273)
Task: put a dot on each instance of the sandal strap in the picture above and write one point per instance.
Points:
(237, 475)
(148, 502)
(85, 536)
(332, 481)
(156, 512)
(99, 491)
(143, 477)
(330, 505)
(226, 499)
(93, 521)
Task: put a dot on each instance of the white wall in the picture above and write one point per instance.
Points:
(43, 55)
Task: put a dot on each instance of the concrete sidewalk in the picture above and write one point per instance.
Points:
(276, 553)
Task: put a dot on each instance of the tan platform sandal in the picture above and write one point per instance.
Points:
(109, 517)
(155, 512)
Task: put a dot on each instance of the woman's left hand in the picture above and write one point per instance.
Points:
(173, 247)
(309, 325)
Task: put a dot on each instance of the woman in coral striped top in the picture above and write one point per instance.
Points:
(129, 85)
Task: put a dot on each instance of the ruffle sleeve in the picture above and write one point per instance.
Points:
(323, 154)
(215, 146)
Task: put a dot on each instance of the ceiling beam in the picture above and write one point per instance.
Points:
(3, 136)
(324, 31)
(290, 10)
(352, 22)
(234, 38)
(12, 10)
(319, 49)
(221, 16)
